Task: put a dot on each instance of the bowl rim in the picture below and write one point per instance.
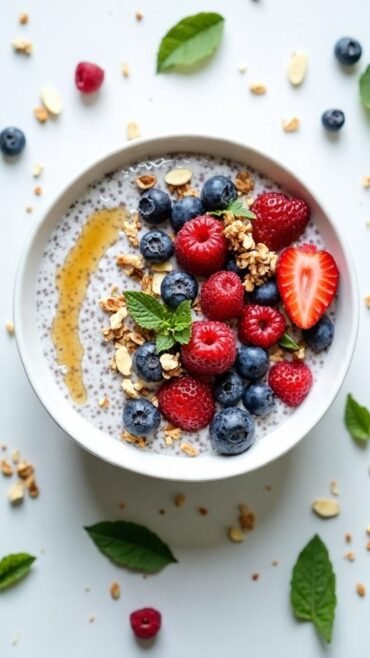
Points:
(149, 467)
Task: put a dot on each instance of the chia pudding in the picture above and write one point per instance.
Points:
(119, 190)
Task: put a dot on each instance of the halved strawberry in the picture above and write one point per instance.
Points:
(307, 280)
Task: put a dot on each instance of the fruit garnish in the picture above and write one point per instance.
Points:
(291, 381)
(201, 247)
(146, 623)
(261, 325)
(222, 296)
(187, 403)
(211, 349)
(280, 220)
(307, 280)
(88, 77)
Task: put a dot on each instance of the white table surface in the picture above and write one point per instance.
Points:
(210, 605)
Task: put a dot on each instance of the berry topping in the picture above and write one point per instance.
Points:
(232, 431)
(184, 209)
(156, 246)
(291, 381)
(228, 389)
(88, 77)
(145, 623)
(12, 141)
(187, 403)
(231, 266)
(333, 120)
(252, 362)
(178, 287)
(155, 206)
(348, 51)
(222, 296)
(146, 363)
(201, 247)
(140, 417)
(280, 220)
(320, 336)
(259, 399)
(211, 350)
(307, 280)
(218, 192)
(267, 294)
(261, 325)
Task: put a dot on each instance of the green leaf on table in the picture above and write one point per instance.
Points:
(288, 343)
(147, 311)
(13, 568)
(312, 593)
(164, 342)
(357, 419)
(189, 42)
(365, 87)
(131, 545)
(236, 208)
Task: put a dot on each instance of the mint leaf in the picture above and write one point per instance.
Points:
(312, 593)
(131, 545)
(365, 88)
(13, 568)
(357, 419)
(164, 342)
(147, 311)
(190, 41)
(183, 335)
(236, 208)
(288, 343)
(181, 318)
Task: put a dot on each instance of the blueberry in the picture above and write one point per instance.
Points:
(12, 141)
(258, 399)
(232, 431)
(320, 336)
(266, 294)
(141, 417)
(184, 209)
(146, 363)
(177, 287)
(228, 389)
(231, 266)
(155, 206)
(333, 120)
(156, 246)
(348, 51)
(252, 362)
(218, 192)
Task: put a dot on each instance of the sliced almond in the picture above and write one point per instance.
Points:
(16, 493)
(117, 318)
(157, 281)
(52, 100)
(257, 88)
(10, 328)
(129, 389)
(236, 535)
(123, 361)
(297, 68)
(37, 170)
(326, 508)
(179, 176)
(291, 125)
(162, 267)
(132, 130)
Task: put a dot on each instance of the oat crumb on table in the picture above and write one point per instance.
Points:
(22, 46)
(41, 114)
(368, 530)
(255, 576)
(348, 537)
(334, 488)
(37, 170)
(139, 15)
(236, 535)
(115, 591)
(132, 130)
(180, 500)
(366, 182)
(29, 209)
(368, 546)
(38, 190)
(242, 68)
(203, 511)
(125, 70)
(91, 619)
(291, 125)
(274, 563)
(367, 301)
(257, 88)
(6, 468)
(360, 589)
(10, 328)
(23, 18)
(350, 556)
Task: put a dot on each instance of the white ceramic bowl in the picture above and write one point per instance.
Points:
(281, 439)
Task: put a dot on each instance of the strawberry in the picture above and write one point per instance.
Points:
(261, 325)
(187, 403)
(201, 247)
(307, 280)
(222, 296)
(211, 350)
(280, 220)
(291, 381)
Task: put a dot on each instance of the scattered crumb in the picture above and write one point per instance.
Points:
(348, 537)
(368, 546)
(247, 518)
(10, 328)
(6, 468)
(236, 535)
(180, 500)
(37, 170)
(104, 402)
(115, 591)
(16, 640)
(38, 190)
(139, 15)
(16, 494)
(162, 511)
(368, 224)
(122, 505)
(360, 589)
(268, 487)
(255, 576)
(189, 450)
(334, 488)
(87, 588)
(257, 88)
(29, 209)
(367, 301)
(125, 70)
(16, 456)
(350, 556)
(366, 182)
(3, 447)
(41, 114)
(291, 125)
(203, 511)
(91, 619)
(242, 68)
(326, 508)
(274, 563)
(23, 18)
(145, 181)
(368, 530)
(22, 46)
(297, 68)
(24, 470)
(132, 130)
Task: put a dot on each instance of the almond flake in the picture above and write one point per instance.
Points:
(132, 130)
(16, 493)
(162, 267)
(115, 591)
(125, 70)
(52, 100)
(189, 450)
(117, 318)
(22, 46)
(236, 535)
(291, 125)
(130, 390)
(37, 170)
(334, 489)
(104, 402)
(361, 589)
(242, 68)
(297, 68)
(146, 181)
(157, 281)
(326, 508)
(366, 182)
(177, 177)
(123, 361)
(41, 114)
(10, 328)
(257, 88)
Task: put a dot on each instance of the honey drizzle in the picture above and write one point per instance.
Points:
(100, 232)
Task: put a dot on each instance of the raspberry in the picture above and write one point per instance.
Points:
(146, 623)
(201, 247)
(222, 296)
(280, 220)
(261, 325)
(187, 403)
(291, 381)
(88, 77)
(211, 350)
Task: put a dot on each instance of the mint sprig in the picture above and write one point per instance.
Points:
(357, 419)
(236, 208)
(288, 343)
(170, 326)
